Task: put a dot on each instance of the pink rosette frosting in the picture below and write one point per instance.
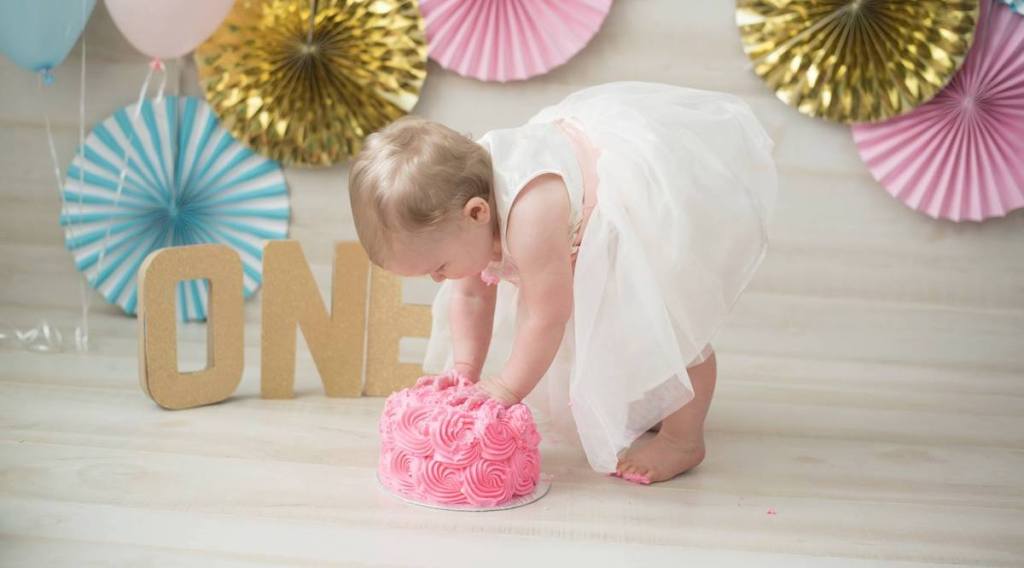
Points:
(441, 482)
(520, 419)
(486, 483)
(498, 440)
(453, 438)
(525, 472)
(412, 432)
(441, 444)
(399, 469)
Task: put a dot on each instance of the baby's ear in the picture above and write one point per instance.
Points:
(477, 209)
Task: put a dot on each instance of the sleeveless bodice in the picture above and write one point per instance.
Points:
(520, 155)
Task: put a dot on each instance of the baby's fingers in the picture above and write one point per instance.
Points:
(476, 398)
(447, 380)
(426, 380)
(495, 390)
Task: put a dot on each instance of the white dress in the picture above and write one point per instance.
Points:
(686, 184)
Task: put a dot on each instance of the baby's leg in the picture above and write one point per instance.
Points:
(679, 444)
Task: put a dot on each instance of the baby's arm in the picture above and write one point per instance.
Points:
(538, 239)
(472, 319)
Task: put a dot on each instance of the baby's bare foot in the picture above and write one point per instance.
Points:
(660, 459)
(679, 444)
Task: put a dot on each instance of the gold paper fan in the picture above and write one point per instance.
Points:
(856, 60)
(308, 91)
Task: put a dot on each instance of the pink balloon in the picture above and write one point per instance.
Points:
(168, 28)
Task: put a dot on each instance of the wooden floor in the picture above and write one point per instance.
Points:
(870, 408)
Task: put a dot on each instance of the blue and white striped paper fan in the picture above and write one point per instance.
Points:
(1015, 5)
(187, 182)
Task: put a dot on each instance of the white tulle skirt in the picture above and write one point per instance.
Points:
(686, 187)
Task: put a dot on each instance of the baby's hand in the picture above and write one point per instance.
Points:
(493, 388)
(445, 380)
(466, 371)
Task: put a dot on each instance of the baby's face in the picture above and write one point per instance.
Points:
(460, 249)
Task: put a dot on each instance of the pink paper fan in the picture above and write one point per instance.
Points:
(960, 156)
(507, 40)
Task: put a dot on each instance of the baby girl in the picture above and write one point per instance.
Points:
(594, 252)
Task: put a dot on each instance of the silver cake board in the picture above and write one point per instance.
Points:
(541, 490)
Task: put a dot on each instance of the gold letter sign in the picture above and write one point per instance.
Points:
(390, 320)
(291, 299)
(158, 330)
(344, 343)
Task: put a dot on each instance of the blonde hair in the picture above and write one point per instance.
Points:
(412, 176)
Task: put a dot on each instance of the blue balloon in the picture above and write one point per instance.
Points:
(38, 34)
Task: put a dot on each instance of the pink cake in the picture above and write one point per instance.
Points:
(441, 444)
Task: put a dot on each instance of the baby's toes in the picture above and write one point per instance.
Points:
(637, 478)
(634, 471)
(630, 468)
(646, 475)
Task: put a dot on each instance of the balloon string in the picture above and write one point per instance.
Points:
(52, 341)
(82, 332)
(43, 338)
(53, 152)
(160, 90)
(179, 66)
(122, 176)
(157, 64)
